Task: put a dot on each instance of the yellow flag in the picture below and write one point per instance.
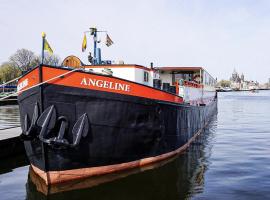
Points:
(109, 41)
(84, 43)
(47, 47)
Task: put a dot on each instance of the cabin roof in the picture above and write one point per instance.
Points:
(119, 66)
(179, 68)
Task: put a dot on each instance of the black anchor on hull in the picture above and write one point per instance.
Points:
(47, 122)
(80, 129)
(29, 132)
(60, 140)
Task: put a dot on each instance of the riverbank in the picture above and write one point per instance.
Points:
(240, 90)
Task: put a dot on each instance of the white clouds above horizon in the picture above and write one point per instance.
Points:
(220, 35)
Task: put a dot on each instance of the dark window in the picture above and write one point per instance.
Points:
(145, 76)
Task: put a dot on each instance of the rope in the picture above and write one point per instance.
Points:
(56, 77)
(11, 95)
(15, 79)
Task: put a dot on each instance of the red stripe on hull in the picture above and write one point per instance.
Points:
(29, 80)
(95, 82)
(107, 84)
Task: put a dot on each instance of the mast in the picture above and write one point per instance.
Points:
(94, 32)
(97, 52)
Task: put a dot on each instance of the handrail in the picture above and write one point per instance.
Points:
(192, 84)
(15, 79)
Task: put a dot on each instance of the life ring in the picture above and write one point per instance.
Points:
(196, 79)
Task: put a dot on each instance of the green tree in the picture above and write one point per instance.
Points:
(8, 72)
(24, 60)
(224, 83)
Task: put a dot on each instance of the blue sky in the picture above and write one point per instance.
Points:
(218, 34)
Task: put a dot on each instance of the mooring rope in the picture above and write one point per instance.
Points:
(15, 79)
(39, 84)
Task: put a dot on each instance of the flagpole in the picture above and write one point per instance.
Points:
(95, 46)
(44, 148)
(43, 43)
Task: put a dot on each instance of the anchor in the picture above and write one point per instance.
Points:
(47, 122)
(29, 132)
(80, 129)
(25, 126)
(60, 141)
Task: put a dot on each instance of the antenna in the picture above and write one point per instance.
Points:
(97, 52)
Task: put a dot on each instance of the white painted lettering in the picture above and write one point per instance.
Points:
(111, 86)
(99, 83)
(127, 88)
(84, 81)
(121, 87)
(22, 85)
(92, 82)
(116, 86)
(104, 84)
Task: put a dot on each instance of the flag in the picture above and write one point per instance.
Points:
(47, 46)
(109, 41)
(84, 43)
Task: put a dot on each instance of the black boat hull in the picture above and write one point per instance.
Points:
(124, 131)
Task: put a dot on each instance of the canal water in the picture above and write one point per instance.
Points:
(230, 160)
(9, 116)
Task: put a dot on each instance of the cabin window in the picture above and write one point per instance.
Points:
(179, 76)
(145, 76)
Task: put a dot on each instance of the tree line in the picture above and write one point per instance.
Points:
(224, 83)
(23, 60)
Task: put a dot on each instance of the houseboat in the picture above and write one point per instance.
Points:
(82, 120)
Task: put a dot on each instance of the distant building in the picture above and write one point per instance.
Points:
(242, 77)
(239, 82)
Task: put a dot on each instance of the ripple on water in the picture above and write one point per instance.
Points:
(9, 116)
(231, 160)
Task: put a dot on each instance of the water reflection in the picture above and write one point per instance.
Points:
(9, 116)
(179, 178)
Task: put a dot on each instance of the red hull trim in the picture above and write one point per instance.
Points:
(91, 81)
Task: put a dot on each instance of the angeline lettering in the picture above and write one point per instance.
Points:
(105, 84)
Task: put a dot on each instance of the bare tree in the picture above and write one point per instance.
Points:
(23, 59)
(53, 60)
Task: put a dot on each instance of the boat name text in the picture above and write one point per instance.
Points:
(22, 85)
(105, 84)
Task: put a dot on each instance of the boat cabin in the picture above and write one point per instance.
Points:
(194, 84)
(135, 73)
